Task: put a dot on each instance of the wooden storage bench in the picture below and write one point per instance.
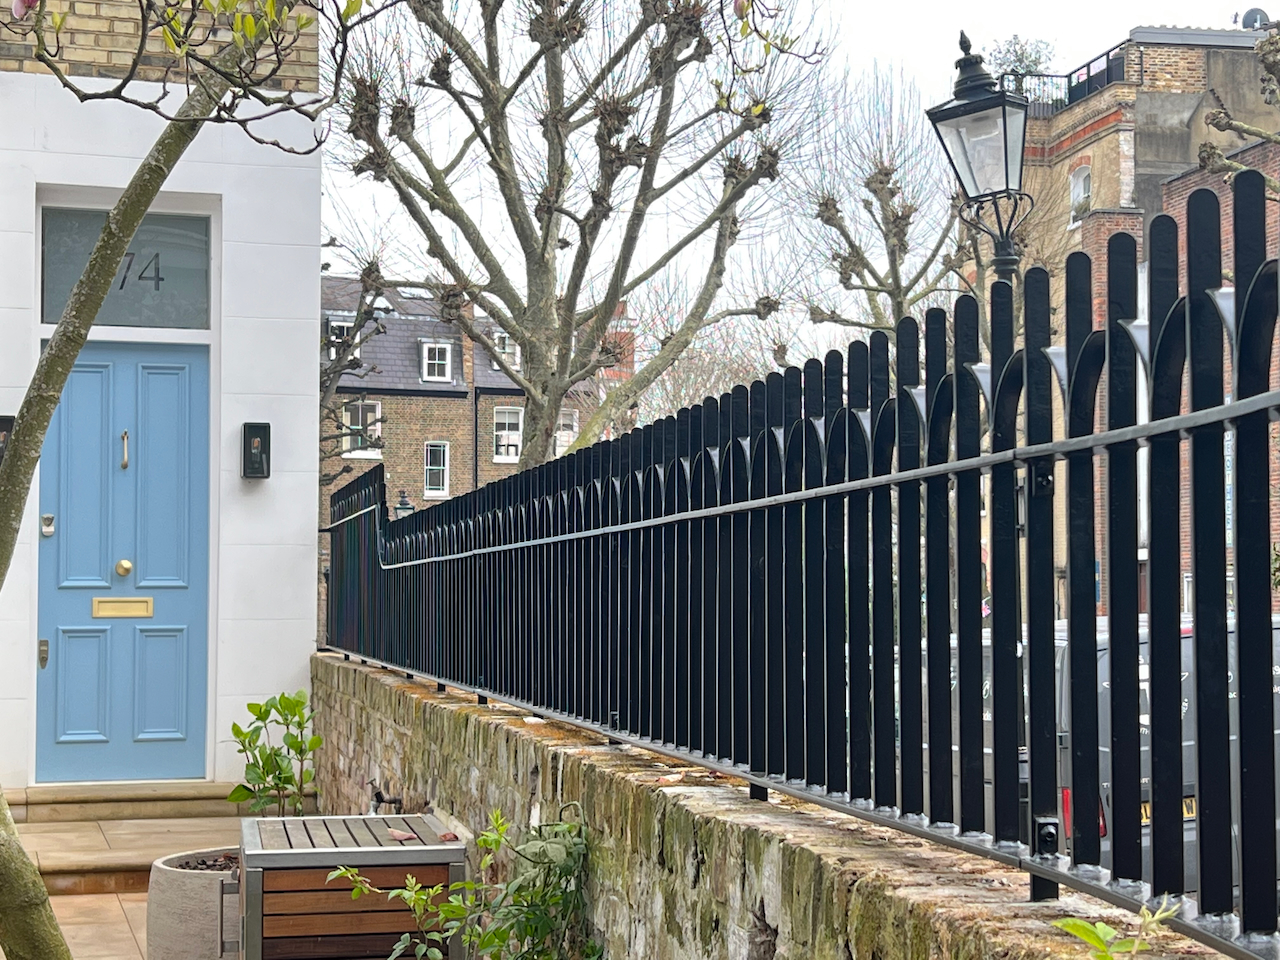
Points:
(289, 912)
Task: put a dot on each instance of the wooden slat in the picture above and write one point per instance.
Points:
(331, 901)
(338, 827)
(298, 837)
(399, 823)
(273, 836)
(318, 833)
(322, 948)
(428, 874)
(333, 924)
(419, 826)
(365, 837)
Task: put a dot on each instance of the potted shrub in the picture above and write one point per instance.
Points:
(187, 917)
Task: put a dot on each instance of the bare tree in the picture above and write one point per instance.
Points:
(1211, 155)
(215, 61)
(544, 152)
(882, 199)
(341, 357)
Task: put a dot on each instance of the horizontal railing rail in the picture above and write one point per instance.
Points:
(754, 584)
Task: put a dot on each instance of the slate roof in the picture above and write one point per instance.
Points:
(396, 354)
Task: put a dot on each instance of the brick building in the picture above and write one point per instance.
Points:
(1102, 142)
(1264, 157)
(447, 418)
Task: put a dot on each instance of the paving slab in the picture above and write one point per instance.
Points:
(115, 856)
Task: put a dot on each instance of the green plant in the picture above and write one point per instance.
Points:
(276, 774)
(1105, 942)
(538, 914)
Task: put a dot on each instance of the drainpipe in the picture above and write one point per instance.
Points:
(475, 437)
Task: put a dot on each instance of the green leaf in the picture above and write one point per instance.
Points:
(304, 22)
(1127, 946)
(1108, 933)
(352, 9)
(746, 28)
(315, 743)
(420, 950)
(250, 27)
(1082, 930)
(240, 793)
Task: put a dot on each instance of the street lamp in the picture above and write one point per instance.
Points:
(404, 507)
(983, 130)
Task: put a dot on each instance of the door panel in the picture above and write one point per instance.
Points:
(164, 487)
(82, 447)
(124, 697)
(160, 664)
(84, 684)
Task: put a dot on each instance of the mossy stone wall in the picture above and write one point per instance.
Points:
(684, 864)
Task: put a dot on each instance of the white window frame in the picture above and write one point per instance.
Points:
(1082, 204)
(347, 324)
(502, 343)
(428, 493)
(571, 416)
(362, 453)
(498, 434)
(423, 347)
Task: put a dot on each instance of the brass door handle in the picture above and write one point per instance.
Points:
(124, 459)
(124, 568)
(43, 653)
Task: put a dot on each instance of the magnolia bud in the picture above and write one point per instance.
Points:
(740, 8)
(22, 7)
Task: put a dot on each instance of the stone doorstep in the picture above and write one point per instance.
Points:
(68, 803)
(115, 856)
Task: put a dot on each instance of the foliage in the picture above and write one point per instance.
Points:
(539, 914)
(1019, 56)
(1105, 943)
(276, 774)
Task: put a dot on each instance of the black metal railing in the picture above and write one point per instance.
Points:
(1051, 93)
(753, 584)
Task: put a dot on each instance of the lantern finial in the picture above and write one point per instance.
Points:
(966, 46)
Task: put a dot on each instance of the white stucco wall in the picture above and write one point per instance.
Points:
(265, 209)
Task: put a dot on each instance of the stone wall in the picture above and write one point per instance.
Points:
(684, 864)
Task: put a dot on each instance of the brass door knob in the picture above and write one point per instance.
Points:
(124, 568)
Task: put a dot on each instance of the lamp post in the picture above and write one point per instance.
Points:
(983, 130)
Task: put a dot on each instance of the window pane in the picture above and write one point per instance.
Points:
(162, 282)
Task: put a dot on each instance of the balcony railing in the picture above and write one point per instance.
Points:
(1051, 93)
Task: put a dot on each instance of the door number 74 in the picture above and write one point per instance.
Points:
(150, 271)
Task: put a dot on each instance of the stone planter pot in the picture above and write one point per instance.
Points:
(184, 906)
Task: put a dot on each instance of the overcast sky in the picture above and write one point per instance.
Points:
(922, 35)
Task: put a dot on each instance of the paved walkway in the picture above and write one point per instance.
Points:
(89, 855)
(105, 926)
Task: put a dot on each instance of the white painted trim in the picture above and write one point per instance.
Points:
(197, 204)
(519, 411)
(422, 361)
(436, 494)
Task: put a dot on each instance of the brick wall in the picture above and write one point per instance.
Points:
(1167, 68)
(100, 39)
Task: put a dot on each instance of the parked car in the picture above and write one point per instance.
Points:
(1065, 813)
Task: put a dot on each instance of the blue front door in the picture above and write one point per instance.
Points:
(124, 568)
